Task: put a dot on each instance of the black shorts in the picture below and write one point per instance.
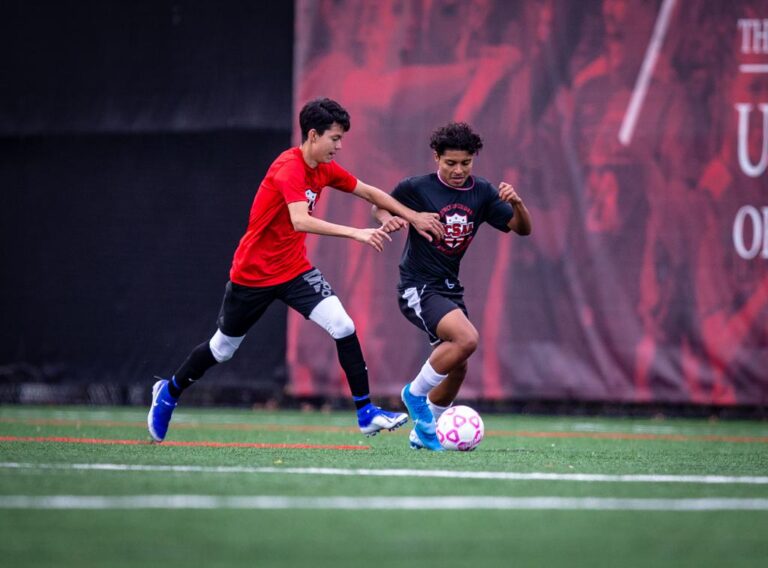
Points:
(244, 305)
(425, 307)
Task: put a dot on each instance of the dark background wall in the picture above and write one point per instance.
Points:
(133, 136)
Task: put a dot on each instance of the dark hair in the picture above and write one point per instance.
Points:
(455, 136)
(320, 114)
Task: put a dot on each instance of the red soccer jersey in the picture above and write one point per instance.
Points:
(271, 251)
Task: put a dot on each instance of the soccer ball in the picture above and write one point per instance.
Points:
(460, 428)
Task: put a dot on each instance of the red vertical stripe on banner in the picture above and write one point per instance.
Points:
(493, 316)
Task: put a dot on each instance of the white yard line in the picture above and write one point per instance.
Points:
(444, 474)
(384, 503)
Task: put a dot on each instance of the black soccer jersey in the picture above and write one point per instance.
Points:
(462, 211)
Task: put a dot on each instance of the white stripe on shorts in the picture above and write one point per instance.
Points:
(413, 297)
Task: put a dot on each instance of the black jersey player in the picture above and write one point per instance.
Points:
(430, 293)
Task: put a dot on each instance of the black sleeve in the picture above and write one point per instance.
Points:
(405, 193)
(498, 213)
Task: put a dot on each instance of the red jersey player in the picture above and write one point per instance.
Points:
(271, 264)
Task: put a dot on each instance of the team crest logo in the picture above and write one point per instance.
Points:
(311, 199)
(458, 230)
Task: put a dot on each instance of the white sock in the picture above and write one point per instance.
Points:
(437, 411)
(426, 380)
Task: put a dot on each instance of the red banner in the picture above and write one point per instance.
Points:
(636, 131)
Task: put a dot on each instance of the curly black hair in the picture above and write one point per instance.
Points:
(455, 136)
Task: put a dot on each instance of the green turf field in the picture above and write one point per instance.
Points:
(81, 487)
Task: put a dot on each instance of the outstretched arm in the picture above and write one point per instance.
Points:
(305, 223)
(428, 225)
(389, 223)
(521, 222)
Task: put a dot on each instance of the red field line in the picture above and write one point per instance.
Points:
(176, 426)
(68, 440)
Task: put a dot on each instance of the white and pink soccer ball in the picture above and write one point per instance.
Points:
(460, 428)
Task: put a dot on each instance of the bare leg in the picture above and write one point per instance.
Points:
(440, 378)
(460, 340)
(447, 391)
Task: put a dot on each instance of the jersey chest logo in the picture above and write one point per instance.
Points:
(458, 231)
(311, 199)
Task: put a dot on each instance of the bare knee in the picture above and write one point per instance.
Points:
(459, 334)
(466, 342)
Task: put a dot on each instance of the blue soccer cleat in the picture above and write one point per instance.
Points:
(413, 440)
(373, 419)
(423, 421)
(161, 410)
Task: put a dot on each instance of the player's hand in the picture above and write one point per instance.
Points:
(428, 225)
(507, 193)
(373, 237)
(394, 224)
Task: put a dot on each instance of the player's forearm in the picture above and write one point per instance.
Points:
(426, 224)
(380, 215)
(379, 198)
(521, 222)
(389, 205)
(308, 224)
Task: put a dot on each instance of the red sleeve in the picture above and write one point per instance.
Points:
(290, 181)
(341, 178)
